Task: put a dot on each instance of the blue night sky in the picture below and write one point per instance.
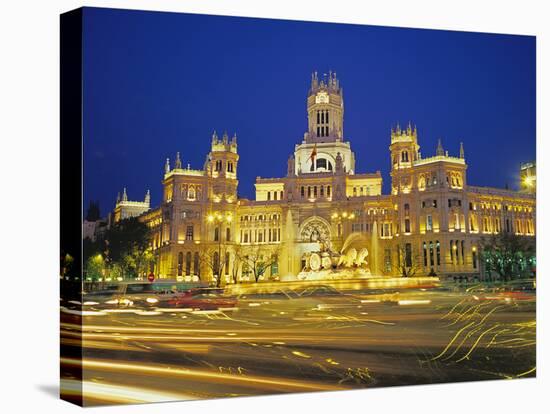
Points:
(156, 83)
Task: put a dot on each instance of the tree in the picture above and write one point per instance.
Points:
(259, 258)
(128, 247)
(508, 255)
(214, 259)
(237, 263)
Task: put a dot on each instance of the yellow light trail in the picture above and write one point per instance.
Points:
(118, 393)
(476, 342)
(252, 380)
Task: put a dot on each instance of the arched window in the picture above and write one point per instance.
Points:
(191, 194)
(226, 266)
(228, 234)
(196, 265)
(216, 264)
(216, 234)
(188, 263)
(180, 263)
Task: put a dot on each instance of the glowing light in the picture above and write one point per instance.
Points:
(210, 218)
(414, 302)
(151, 300)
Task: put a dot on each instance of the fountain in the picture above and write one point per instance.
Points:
(325, 263)
(290, 245)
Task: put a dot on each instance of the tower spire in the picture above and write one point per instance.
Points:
(124, 195)
(167, 166)
(439, 150)
(178, 160)
(147, 197)
(461, 150)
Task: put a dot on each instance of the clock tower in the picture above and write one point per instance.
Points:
(325, 109)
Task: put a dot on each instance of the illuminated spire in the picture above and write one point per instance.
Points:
(124, 195)
(439, 150)
(118, 197)
(214, 137)
(148, 197)
(167, 166)
(225, 137)
(234, 139)
(461, 150)
(178, 161)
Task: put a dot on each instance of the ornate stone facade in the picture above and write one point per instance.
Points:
(432, 220)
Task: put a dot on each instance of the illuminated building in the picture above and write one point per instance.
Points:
(125, 208)
(432, 220)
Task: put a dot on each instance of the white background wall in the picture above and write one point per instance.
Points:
(29, 68)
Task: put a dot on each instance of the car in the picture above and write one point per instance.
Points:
(138, 294)
(203, 299)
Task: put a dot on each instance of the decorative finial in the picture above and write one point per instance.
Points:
(124, 195)
(118, 197)
(167, 166)
(178, 161)
(439, 150)
(461, 150)
(147, 197)
(214, 137)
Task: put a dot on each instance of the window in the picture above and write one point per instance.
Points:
(180, 263)
(457, 222)
(188, 263)
(229, 166)
(216, 264)
(196, 266)
(431, 254)
(406, 208)
(322, 191)
(425, 254)
(274, 195)
(309, 192)
(189, 233)
(429, 224)
(281, 194)
(387, 260)
(302, 192)
(322, 163)
(434, 203)
(408, 255)
(438, 252)
(228, 234)
(268, 195)
(315, 191)
(407, 225)
(474, 258)
(217, 234)
(226, 267)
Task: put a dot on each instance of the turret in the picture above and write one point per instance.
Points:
(404, 148)
(290, 166)
(325, 108)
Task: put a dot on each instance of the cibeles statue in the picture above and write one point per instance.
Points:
(331, 264)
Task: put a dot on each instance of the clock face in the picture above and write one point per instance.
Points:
(322, 97)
